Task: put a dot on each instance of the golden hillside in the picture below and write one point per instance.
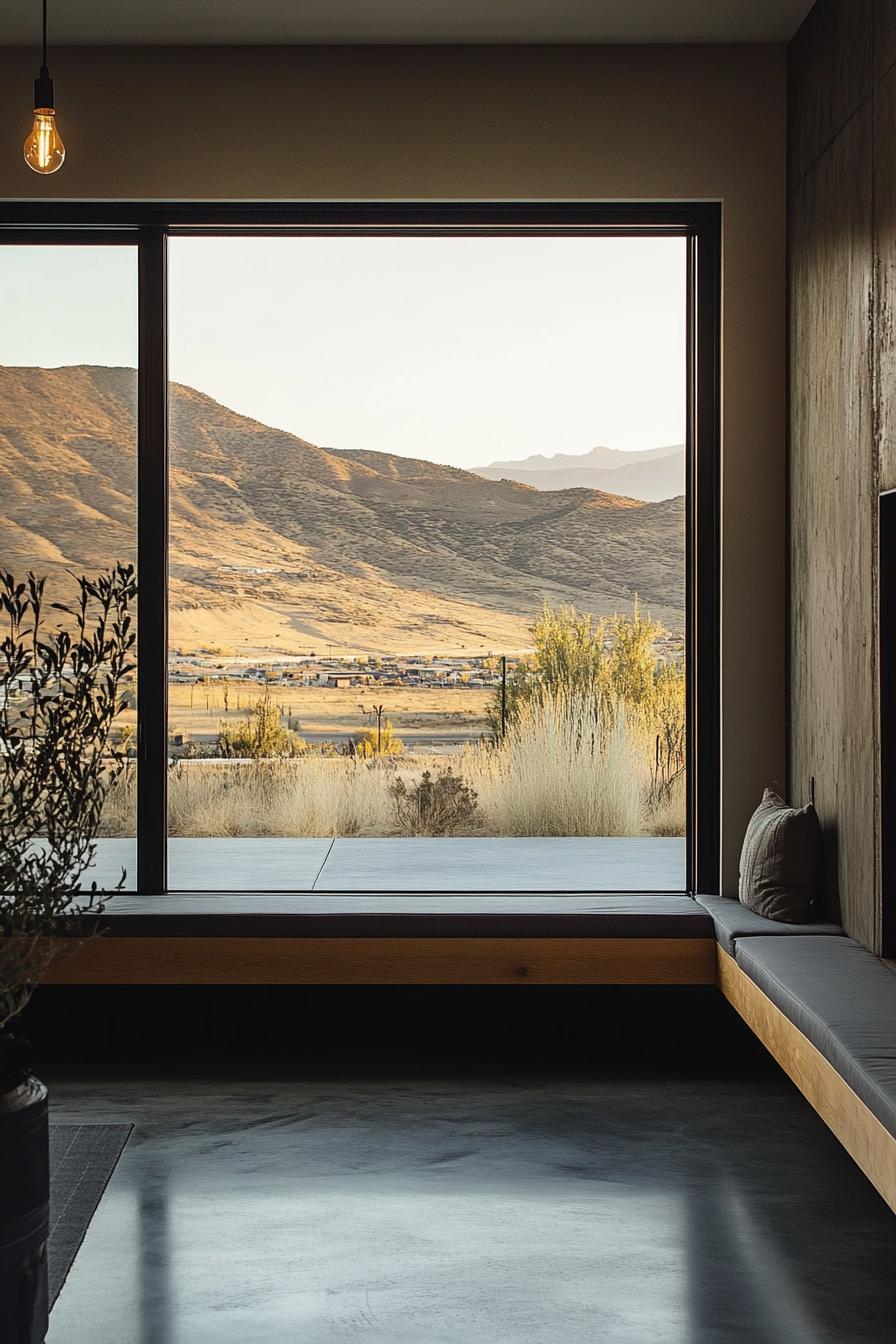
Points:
(278, 544)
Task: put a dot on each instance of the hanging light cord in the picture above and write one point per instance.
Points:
(44, 151)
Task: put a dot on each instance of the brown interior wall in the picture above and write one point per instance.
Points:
(517, 123)
(842, 210)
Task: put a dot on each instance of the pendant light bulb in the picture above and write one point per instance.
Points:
(43, 149)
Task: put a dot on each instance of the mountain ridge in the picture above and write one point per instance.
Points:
(652, 475)
(280, 544)
(599, 456)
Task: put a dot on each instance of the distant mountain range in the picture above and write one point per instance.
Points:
(652, 475)
(280, 545)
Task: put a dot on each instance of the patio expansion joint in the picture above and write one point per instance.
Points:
(324, 864)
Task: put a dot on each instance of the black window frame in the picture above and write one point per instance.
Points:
(149, 225)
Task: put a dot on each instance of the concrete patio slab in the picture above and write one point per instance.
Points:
(221, 864)
(245, 865)
(111, 857)
(399, 864)
(511, 864)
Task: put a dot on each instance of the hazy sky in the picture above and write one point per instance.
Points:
(462, 350)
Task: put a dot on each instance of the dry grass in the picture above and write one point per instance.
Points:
(556, 773)
(669, 816)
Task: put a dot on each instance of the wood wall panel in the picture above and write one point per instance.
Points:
(833, 482)
(885, 231)
(842, 227)
(884, 35)
(829, 76)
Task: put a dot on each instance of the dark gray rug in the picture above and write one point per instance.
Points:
(82, 1158)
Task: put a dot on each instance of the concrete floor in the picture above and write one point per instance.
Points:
(624, 1210)
(645, 863)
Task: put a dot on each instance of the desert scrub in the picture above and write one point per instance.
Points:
(440, 805)
(309, 796)
(318, 797)
(119, 815)
(668, 815)
(561, 770)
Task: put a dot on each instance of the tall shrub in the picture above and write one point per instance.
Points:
(608, 664)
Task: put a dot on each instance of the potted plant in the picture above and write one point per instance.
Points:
(61, 689)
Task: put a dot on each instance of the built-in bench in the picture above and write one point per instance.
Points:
(826, 1010)
(276, 938)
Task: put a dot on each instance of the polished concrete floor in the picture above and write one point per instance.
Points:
(700, 1208)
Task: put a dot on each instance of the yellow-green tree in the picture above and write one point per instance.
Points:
(632, 659)
(569, 659)
(260, 736)
(603, 666)
(378, 742)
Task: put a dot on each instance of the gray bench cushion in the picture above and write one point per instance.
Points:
(406, 914)
(843, 1000)
(733, 921)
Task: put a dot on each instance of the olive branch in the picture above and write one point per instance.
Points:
(61, 689)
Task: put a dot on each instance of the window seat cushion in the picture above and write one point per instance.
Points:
(843, 1000)
(733, 921)
(422, 914)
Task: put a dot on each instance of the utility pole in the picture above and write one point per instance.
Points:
(378, 710)
(503, 694)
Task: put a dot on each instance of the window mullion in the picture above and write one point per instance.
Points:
(152, 563)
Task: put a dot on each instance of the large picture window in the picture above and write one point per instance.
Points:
(427, 555)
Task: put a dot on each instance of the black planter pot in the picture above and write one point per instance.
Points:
(24, 1197)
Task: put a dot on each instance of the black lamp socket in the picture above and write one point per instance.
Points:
(43, 90)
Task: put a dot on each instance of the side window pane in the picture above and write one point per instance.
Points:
(68, 470)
